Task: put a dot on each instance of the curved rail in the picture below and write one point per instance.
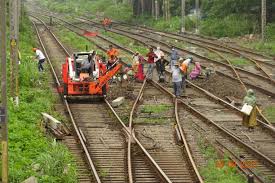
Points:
(195, 168)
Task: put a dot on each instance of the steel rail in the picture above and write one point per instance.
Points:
(207, 39)
(127, 34)
(160, 171)
(79, 136)
(132, 135)
(268, 78)
(228, 105)
(242, 84)
(225, 131)
(238, 78)
(229, 63)
(239, 163)
(231, 50)
(186, 146)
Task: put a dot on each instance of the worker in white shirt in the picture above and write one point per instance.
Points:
(159, 54)
(40, 57)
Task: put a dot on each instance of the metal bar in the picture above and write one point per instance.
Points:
(4, 128)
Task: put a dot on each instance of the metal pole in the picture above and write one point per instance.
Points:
(263, 19)
(17, 57)
(153, 8)
(14, 27)
(182, 16)
(3, 115)
(197, 15)
(156, 9)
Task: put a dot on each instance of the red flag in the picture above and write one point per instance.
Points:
(90, 34)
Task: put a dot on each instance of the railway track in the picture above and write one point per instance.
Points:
(156, 133)
(263, 83)
(224, 129)
(106, 165)
(264, 101)
(223, 144)
(264, 86)
(211, 42)
(265, 67)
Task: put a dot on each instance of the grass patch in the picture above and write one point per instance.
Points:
(152, 120)
(269, 112)
(127, 42)
(155, 108)
(217, 169)
(74, 40)
(236, 61)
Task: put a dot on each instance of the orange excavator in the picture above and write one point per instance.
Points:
(84, 76)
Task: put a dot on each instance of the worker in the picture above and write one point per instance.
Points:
(112, 51)
(92, 60)
(209, 71)
(177, 79)
(135, 62)
(109, 23)
(111, 62)
(40, 57)
(151, 64)
(174, 57)
(159, 54)
(160, 64)
(104, 23)
(85, 66)
(250, 121)
(184, 68)
(196, 71)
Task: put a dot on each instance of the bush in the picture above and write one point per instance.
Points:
(233, 25)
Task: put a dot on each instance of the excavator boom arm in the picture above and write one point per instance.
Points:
(107, 76)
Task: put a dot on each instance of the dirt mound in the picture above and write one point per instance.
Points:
(221, 87)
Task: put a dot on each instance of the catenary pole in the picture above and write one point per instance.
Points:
(18, 15)
(263, 19)
(3, 111)
(156, 9)
(14, 30)
(197, 15)
(182, 16)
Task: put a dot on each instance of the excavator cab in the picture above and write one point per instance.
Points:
(85, 76)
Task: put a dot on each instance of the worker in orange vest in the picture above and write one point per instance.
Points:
(184, 68)
(112, 52)
(104, 23)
